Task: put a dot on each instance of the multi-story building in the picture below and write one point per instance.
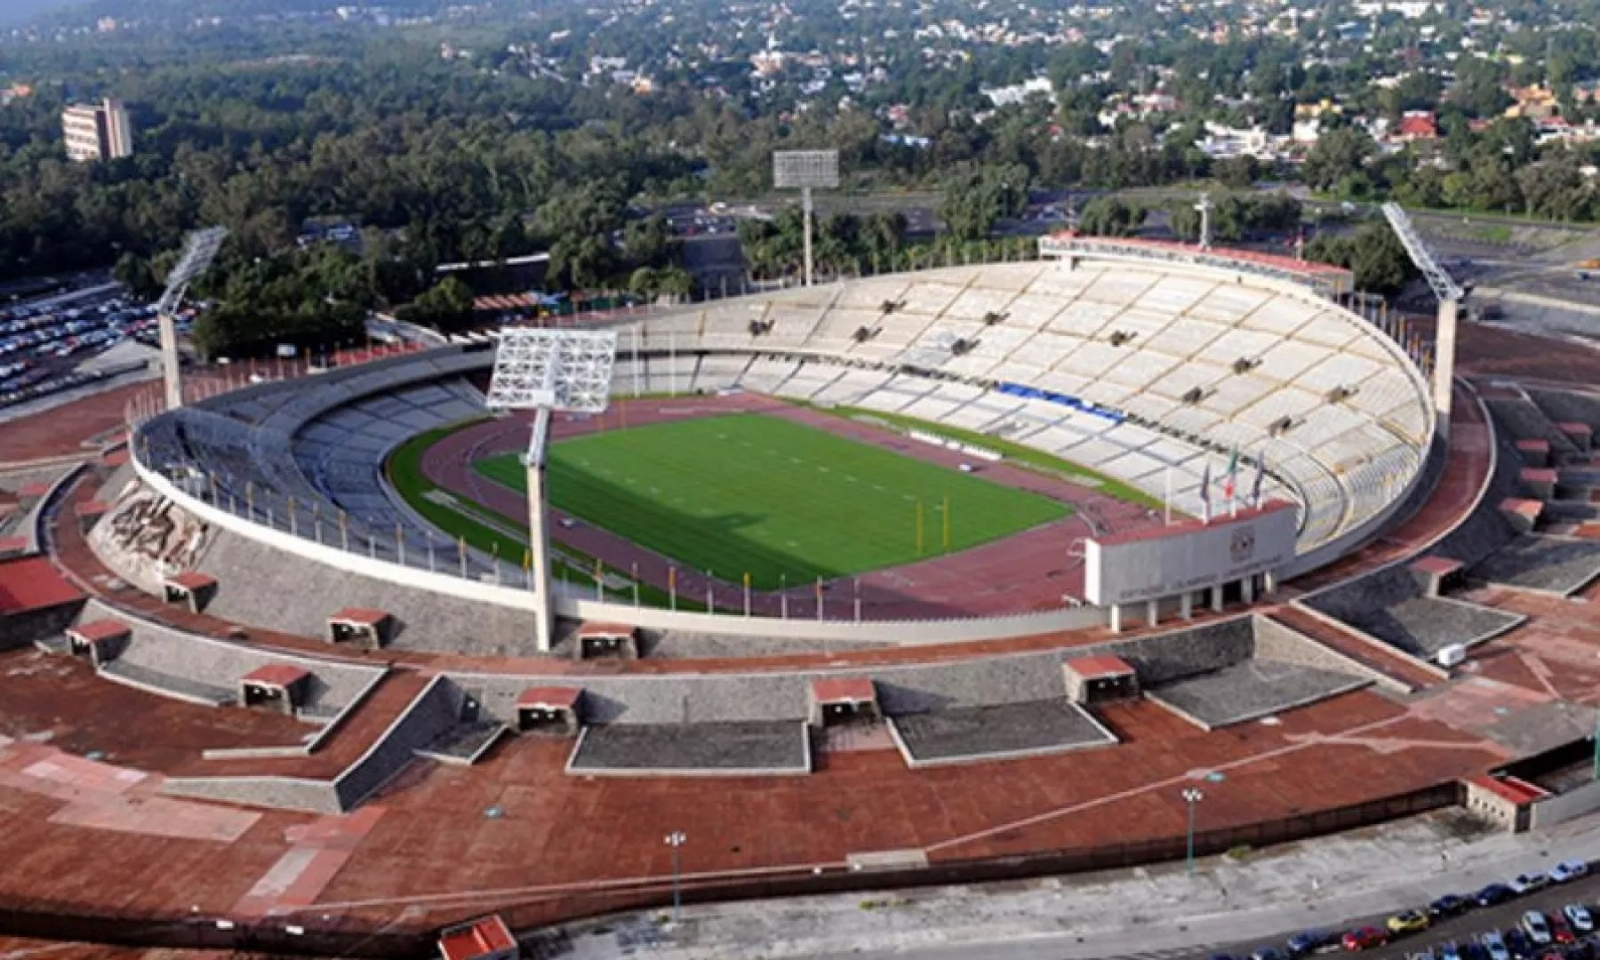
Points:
(96, 132)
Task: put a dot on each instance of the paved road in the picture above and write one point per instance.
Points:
(1463, 929)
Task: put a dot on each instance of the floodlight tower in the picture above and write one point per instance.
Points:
(1205, 207)
(805, 169)
(547, 370)
(1450, 295)
(199, 249)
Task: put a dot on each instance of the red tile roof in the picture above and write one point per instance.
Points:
(1575, 428)
(844, 690)
(1527, 508)
(99, 630)
(1418, 124)
(32, 583)
(1517, 791)
(192, 580)
(1537, 475)
(547, 697)
(1534, 445)
(1438, 566)
(476, 939)
(91, 508)
(598, 628)
(276, 675)
(1098, 666)
(365, 616)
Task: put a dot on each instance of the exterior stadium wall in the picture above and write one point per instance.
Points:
(903, 632)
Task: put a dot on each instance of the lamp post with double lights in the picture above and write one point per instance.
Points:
(675, 840)
(1191, 798)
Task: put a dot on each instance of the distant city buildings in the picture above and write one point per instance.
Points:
(97, 132)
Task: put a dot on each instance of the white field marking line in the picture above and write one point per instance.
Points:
(1159, 785)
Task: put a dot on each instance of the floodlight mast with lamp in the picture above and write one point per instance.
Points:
(1450, 296)
(805, 169)
(545, 371)
(199, 249)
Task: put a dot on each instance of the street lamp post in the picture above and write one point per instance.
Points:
(675, 840)
(1191, 797)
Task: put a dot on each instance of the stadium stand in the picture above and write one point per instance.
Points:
(1558, 565)
(186, 666)
(750, 748)
(1389, 605)
(1247, 691)
(997, 732)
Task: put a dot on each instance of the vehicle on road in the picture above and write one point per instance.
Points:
(1579, 916)
(1494, 893)
(1449, 905)
(1308, 941)
(1528, 882)
(1364, 938)
(1408, 921)
(1568, 870)
(1537, 928)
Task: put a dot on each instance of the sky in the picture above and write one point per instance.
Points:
(13, 11)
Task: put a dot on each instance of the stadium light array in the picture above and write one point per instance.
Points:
(199, 249)
(545, 371)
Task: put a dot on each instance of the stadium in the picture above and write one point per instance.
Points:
(889, 581)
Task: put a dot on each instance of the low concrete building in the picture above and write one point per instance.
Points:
(361, 627)
(190, 588)
(835, 700)
(486, 938)
(275, 686)
(619, 641)
(98, 641)
(1096, 679)
(556, 710)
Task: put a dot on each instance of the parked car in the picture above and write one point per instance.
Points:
(1493, 894)
(1409, 921)
(1449, 905)
(1364, 938)
(1518, 943)
(1568, 870)
(1537, 928)
(1579, 916)
(1267, 953)
(1528, 882)
(1307, 941)
(1561, 930)
(1495, 946)
(1449, 951)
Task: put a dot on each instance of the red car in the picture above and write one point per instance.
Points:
(1561, 931)
(1364, 939)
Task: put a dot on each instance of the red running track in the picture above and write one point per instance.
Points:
(1028, 571)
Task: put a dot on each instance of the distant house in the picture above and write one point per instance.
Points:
(1417, 125)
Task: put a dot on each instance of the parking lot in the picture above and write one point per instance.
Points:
(43, 342)
(1463, 936)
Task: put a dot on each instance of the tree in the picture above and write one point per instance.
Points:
(445, 307)
(1338, 153)
(1374, 254)
(1236, 173)
(1110, 217)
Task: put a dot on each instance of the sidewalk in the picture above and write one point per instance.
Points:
(1138, 912)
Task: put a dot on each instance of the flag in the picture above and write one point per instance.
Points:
(1230, 482)
(1205, 494)
(1261, 474)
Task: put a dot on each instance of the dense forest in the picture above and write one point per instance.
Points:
(442, 155)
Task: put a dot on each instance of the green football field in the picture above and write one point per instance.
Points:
(749, 493)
